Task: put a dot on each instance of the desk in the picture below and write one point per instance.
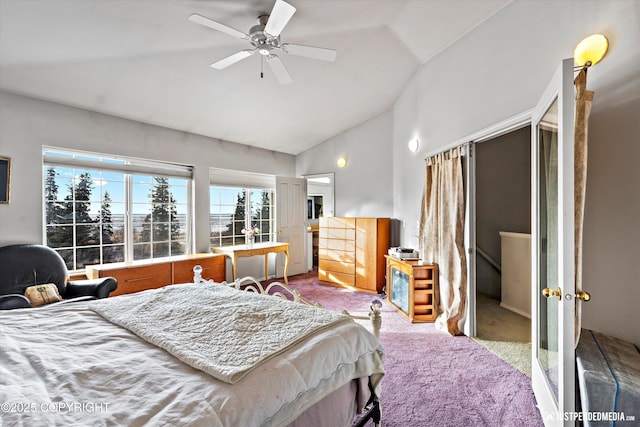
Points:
(265, 248)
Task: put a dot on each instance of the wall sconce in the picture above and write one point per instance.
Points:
(590, 50)
(342, 161)
(414, 145)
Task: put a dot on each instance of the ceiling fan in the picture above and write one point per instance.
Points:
(265, 39)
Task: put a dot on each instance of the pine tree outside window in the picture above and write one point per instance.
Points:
(100, 210)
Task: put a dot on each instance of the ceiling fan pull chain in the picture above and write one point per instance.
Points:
(261, 66)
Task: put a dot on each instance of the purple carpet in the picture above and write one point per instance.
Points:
(432, 378)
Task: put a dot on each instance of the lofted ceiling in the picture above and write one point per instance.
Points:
(143, 60)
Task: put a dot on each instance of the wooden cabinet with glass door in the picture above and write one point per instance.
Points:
(411, 288)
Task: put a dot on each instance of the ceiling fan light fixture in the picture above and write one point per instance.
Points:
(264, 51)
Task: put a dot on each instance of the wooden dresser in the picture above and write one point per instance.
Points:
(149, 274)
(351, 252)
(411, 288)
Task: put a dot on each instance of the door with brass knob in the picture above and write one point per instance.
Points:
(553, 249)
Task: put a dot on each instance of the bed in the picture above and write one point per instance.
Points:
(166, 357)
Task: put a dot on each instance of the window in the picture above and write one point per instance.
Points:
(240, 200)
(159, 213)
(233, 209)
(100, 210)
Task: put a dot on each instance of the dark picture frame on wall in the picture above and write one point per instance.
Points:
(5, 179)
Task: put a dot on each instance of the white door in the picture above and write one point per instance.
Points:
(552, 239)
(291, 225)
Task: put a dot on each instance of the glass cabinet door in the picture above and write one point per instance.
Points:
(400, 290)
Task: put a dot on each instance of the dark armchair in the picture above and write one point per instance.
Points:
(22, 266)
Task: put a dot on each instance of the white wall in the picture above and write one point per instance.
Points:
(27, 124)
(364, 186)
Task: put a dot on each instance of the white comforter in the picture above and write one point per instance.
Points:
(66, 365)
(222, 331)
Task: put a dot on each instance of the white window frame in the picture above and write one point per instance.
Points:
(247, 182)
(90, 161)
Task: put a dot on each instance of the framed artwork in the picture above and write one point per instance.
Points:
(5, 179)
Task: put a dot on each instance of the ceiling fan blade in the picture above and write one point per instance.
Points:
(230, 60)
(202, 20)
(310, 51)
(279, 17)
(282, 75)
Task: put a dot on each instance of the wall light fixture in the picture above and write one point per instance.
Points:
(414, 145)
(590, 50)
(342, 161)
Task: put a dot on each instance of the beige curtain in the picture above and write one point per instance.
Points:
(584, 99)
(442, 236)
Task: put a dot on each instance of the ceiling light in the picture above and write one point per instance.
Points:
(342, 161)
(264, 51)
(414, 145)
(590, 50)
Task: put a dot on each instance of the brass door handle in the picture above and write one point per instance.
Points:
(583, 295)
(548, 293)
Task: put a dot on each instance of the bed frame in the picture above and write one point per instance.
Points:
(372, 410)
